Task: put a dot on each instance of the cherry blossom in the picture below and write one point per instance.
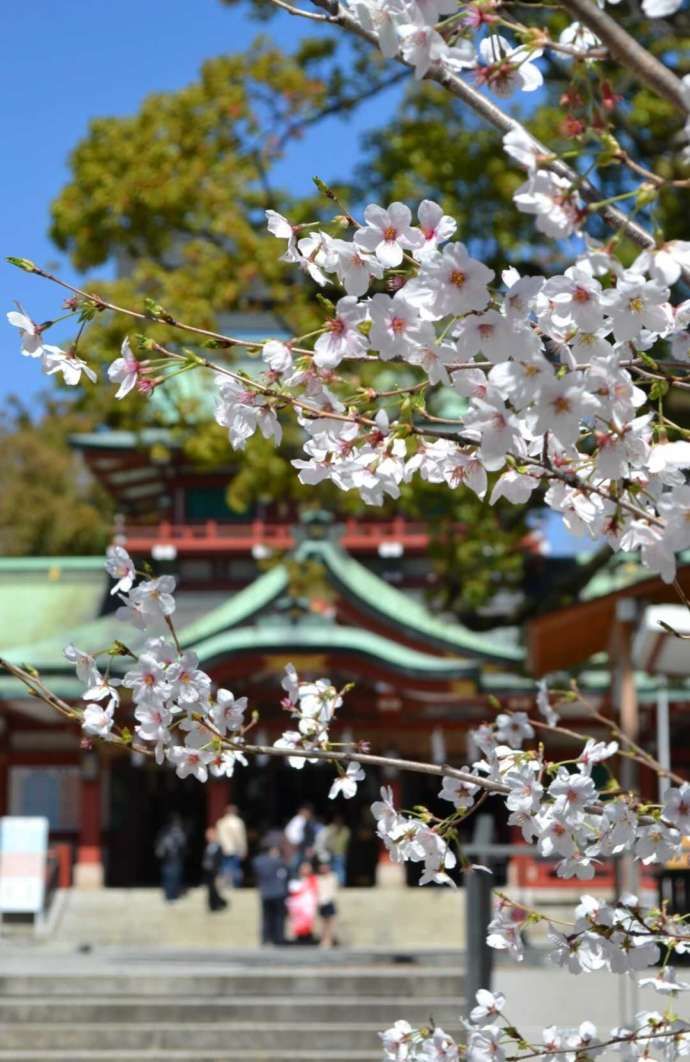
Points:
(120, 566)
(342, 338)
(388, 233)
(346, 784)
(32, 344)
(506, 69)
(435, 226)
(68, 363)
(676, 809)
(553, 201)
(125, 370)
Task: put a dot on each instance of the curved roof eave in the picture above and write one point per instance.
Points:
(399, 610)
(322, 638)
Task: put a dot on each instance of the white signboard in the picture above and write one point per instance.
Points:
(23, 846)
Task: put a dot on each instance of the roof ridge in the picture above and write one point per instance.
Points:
(400, 609)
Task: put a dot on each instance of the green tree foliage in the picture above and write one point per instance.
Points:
(49, 505)
(174, 197)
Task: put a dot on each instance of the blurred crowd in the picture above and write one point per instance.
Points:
(297, 871)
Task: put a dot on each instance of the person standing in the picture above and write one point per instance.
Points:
(232, 836)
(302, 904)
(333, 842)
(271, 877)
(327, 887)
(171, 845)
(301, 832)
(210, 865)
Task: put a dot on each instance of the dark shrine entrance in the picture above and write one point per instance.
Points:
(141, 800)
(142, 797)
(269, 794)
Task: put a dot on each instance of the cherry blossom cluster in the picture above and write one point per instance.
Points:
(181, 720)
(178, 717)
(556, 806)
(551, 376)
(551, 373)
(468, 37)
(622, 938)
(490, 1037)
(559, 811)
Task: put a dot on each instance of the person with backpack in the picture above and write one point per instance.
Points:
(170, 849)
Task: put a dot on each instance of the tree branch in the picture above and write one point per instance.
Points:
(627, 51)
(491, 113)
(348, 103)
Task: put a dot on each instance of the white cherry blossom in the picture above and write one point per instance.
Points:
(125, 370)
(388, 233)
(342, 338)
(120, 566)
(30, 333)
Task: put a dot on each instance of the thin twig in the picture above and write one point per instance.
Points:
(627, 51)
(491, 113)
(302, 14)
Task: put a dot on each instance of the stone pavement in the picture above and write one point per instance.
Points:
(396, 918)
(546, 995)
(122, 976)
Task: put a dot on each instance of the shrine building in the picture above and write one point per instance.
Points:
(344, 599)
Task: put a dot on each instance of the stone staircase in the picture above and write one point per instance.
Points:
(282, 1005)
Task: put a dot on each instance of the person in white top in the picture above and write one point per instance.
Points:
(301, 832)
(232, 837)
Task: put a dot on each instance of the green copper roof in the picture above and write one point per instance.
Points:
(622, 571)
(66, 686)
(76, 590)
(322, 637)
(400, 611)
(94, 632)
(238, 609)
(54, 567)
(41, 595)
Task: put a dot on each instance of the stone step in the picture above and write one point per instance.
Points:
(302, 1055)
(199, 1039)
(381, 1011)
(350, 981)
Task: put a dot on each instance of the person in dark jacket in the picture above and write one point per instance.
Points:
(271, 877)
(211, 864)
(171, 845)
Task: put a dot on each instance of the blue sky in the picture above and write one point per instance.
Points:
(63, 63)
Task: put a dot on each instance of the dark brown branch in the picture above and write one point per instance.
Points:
(491, 113)
(629, 53)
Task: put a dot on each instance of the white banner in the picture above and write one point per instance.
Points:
(23, 849)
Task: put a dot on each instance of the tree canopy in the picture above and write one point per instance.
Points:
(174, 197)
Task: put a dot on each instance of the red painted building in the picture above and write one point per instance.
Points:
(344, 600)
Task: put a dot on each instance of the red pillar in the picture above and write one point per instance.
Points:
(4, 784)
(88, 871)
(217, 799)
